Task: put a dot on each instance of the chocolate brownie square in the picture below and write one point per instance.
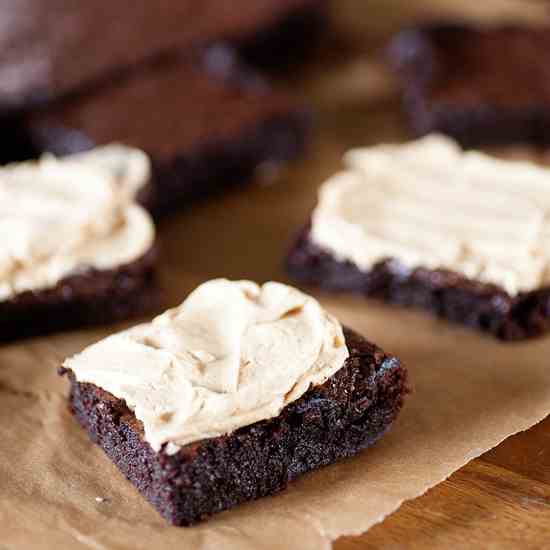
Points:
(54, 48)
(425, 225)
(75, 251)
(481, 85)
(226, 455)
(206, 122)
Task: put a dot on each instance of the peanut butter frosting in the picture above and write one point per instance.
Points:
(430, 204)
(59, 217)
(129, 166)
(233, 353)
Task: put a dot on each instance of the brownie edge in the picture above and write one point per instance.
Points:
(346, 414)
(446, 294)
(88, 297)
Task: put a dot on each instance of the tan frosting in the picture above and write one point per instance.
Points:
(130, 167)
(58, 217)
(231, 354)
(428, 203)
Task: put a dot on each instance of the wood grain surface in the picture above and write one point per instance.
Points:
(502, 499)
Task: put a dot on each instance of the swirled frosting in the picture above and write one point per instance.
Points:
(231, 354)
(130, 167)
(430, 204)
(59, 217)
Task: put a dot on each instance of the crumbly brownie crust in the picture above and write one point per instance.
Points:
(446, 294)
(350, 412)
(205, 121)
(83, 299)
(459, 80)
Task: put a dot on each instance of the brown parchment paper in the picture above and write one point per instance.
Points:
(57, 490)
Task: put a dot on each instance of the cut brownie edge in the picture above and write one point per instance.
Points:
(349, 412)
(446, 294)
(87, 298)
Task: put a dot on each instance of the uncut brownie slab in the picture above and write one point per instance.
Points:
(74, 252)
(460, 235)
(51, 48)
(480, 85)
(205, 121)
(332, 419)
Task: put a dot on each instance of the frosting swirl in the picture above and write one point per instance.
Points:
(233, 353)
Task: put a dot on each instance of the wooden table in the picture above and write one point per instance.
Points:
(501, 500)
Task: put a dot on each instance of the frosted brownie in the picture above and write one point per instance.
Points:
(53, 48)
(480, 85)
(206, 122)
(231, 395)
(425, 224)
(75, 249)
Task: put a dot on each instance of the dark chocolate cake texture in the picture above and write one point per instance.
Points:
(206, 122)
(482, 85)
(202, 414)
(77, 249)
(426, 225)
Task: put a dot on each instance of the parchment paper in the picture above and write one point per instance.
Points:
(57, 490)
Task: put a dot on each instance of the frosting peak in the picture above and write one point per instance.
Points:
(231, 354)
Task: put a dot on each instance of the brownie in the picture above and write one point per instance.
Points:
(206, 122)
(446, 294)
(349, 412)
(89, 297)
(54, 48)
(15, 145)
(288, 42)
(480, 85)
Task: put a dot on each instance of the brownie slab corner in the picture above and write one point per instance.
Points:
(460, 80)
(348, 413)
